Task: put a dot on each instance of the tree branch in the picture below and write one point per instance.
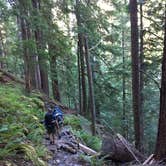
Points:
(160, 38)
(149, 76)
(96, 45)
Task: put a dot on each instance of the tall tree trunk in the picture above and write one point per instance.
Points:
(79, 79)
(44, 74)
(95, 68)
(1, 53)
(54, 75)
(40, 49)
(25, 56)
(135, 72)
(52, 48)
(91, 88)
(141, 80)
(35, 72)
(161, 137)
(30, 59)
(124, 121)
(83, 82)
(24, 37)
(33, 62)
(124, 115)
(81, 55)
(2, 50)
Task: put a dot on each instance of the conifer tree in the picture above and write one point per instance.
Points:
(160, 151)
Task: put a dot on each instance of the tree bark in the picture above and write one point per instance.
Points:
(79, 79)
(117, 148)
(52, 48)
(25, 56)
(124, 118)
(33, 62)
(91, 88)
(135, 72)
(83, 82)
(24, 38)
(160, 151)
(82, 63)
(141, 80)
(2, 50)
(54, 75)
(40, 49)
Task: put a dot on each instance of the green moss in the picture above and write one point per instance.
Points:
(73, 121)
(93, 142)
(20, 128)
(92, 160)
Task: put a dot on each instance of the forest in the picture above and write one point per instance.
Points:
(102, 62)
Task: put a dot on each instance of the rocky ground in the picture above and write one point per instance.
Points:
(65, 151)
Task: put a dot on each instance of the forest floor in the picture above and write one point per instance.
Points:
(61, 157)
(65, 151)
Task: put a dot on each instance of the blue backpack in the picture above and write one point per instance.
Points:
(58, 115)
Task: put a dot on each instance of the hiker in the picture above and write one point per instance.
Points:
(50, 125)
(58, 117)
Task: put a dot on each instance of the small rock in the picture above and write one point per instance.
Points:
(58, 161)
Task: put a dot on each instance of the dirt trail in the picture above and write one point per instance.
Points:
(61, 156)
(66, 150)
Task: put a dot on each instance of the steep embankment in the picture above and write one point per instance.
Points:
(22, 134)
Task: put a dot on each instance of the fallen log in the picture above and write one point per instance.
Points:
(151, 161)
(7, 77)
(87, 150)
(148, 159)
(117, 148)
(125, 143)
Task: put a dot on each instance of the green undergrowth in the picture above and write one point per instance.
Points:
(93, 160)
(81, 128)
(20, 127)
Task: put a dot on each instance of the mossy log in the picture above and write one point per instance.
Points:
(6, 77)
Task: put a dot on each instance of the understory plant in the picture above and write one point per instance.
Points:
(81, 129)
(20, 129)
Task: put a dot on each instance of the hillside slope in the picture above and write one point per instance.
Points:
(22, 133)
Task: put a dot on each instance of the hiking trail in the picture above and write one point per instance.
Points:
(66, 150)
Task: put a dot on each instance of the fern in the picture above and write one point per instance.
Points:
(21, 131)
